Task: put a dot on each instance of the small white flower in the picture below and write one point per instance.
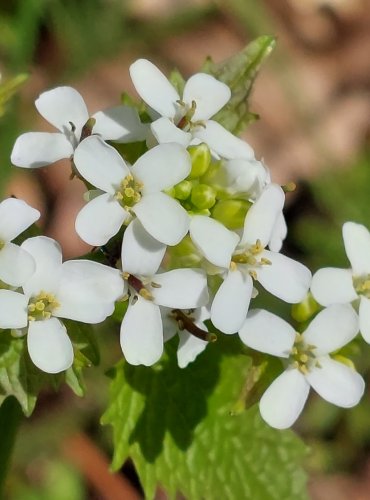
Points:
(188, 117)
(65, 109)
(331, 285)
(16, 265)
(308, 361)
(137, 189)
(283, 277)
(80, 290)
(245, 178)
(142, 328)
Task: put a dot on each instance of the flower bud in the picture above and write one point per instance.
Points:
(203, 196)
(231, 213)
(304, 310)
(183, 190)
(200, 160)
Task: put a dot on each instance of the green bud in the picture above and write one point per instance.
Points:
(183, 190)
(171, 192)
(231, 213)
(304, 310)
(203, 196)
(200, 160)
(184, 254)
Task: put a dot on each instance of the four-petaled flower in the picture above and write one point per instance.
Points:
(285, 278)
(332, 285)
(308, 361)
(65, 109)
(80, 290)
(132, 190)
(188, 117)
(142, 327)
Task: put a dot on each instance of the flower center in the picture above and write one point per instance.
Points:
(362, 285)
(185, 123)
(129, 192)
(250, 257)
(301, 356)
(42, 306)
(139, 287)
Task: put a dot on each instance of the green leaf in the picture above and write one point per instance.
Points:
(9, 88)
(86, 354)
(19, 377)
(179, 428)
(239, 73)
(177, 81)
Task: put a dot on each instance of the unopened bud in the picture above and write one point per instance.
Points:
(200, 160)
(183, 190)
(304, 310)
(203, 196)
(231, 213)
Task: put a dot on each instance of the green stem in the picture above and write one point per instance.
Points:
(10, 419)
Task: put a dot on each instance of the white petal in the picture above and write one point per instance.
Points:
(261, 217)
(13, 309)
(170, 325)
(230, 305)
(99, 220)
(49, 346)
(83, 310)
(166, 131)
(357, 244)
(15, 217)
(331, 285)
(181, 288)
(245, 176)
(283, 401)
(332, 328)
(141, 254)
(16, 265)
(223, 142)
(48, 258)
(121, 124)
(37, 149)
(209, 94)
(266, 332)
(142, 333)
(364, 315)
(154, 88)
(61, 107)
(89, 281)
(213, 239)
(162, 167)
(337, 383)
(285, 278)
(100, 164)
(163, 218)
(278, 234)
(189, 348)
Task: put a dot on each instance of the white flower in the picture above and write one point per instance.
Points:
(283, 277)
(142, 328)
(65, 109)
(16, 265)
(191, 329)
(308, 361)
(241, 177)
(331, 285)
(188, 117)
(137, 189)
(80, 290)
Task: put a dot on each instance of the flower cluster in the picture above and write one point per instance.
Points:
(200, 226)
